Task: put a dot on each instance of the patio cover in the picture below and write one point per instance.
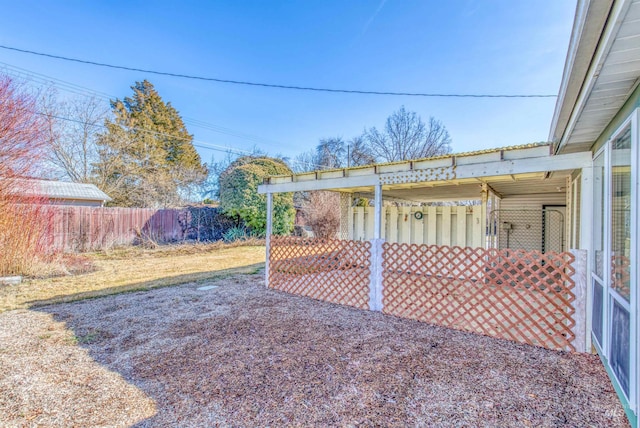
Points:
(517, 170)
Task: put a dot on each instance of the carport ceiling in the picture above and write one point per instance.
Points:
(468, 189)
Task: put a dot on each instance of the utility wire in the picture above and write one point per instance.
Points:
(272, 85)
(195, 143)
(84, 91)
(20, 72)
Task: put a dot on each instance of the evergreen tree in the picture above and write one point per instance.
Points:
(146, 156)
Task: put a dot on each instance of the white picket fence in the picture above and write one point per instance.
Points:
(449, 225)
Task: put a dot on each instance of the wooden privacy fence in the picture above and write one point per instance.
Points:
(525, 296)
(78, 228)
(447, 225)
(330, 270)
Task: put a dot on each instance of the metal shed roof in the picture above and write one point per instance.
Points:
(63, 190)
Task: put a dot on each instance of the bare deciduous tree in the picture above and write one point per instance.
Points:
(331, 153)
(322, 213)
(406, 136)
(359, 152)
(334, 153)
(22, 133)
(72, 128)
(304, 162)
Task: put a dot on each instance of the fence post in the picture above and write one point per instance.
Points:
(579, 278)
(269, 231)
(375, 282)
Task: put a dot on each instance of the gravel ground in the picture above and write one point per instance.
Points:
(241, 355)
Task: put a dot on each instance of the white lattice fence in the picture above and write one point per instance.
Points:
(525, 296)
(335, 271)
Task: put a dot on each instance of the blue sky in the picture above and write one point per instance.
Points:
(464, 46)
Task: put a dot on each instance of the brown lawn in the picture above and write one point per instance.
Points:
(133, 269)
(241, 355)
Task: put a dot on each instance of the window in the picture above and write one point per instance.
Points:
(620, 200)
(614, 259)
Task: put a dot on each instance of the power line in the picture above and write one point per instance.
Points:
(84, 91)
(195, 143)
(81, 90)
(272, 85)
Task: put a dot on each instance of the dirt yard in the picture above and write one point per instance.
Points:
(241, 355)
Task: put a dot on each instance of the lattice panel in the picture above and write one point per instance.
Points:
(525, 296)
(419, 175)
(345, 204)
(331, 270)
(621, 275)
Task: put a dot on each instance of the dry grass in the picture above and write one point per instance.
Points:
(23, 233)
(62, 264)
(47, 379)
(242, 355)
(135, 269)
(128, 252)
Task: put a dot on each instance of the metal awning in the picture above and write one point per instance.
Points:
(519, 170)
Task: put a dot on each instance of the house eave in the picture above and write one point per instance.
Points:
(590, 18)
(588, 100)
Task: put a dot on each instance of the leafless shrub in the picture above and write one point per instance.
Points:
(147, 238)
(60, 264)
(24, 234)
(24, 220)
(322, 214)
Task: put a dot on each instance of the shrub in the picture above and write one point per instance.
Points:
(25, 225)
(239, 194)
(322, 213)
(24, 219)
(205, 223)
(235, 234)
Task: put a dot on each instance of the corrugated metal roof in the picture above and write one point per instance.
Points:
(449, 155)
(63, 190)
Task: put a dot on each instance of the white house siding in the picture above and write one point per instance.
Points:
(519, 210)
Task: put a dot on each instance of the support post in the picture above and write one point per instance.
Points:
(346, 216)
(585, 238)
(377, 222)
(483, 216)
(579, 278)
(268, 236)
(568, 214)
(375, 282)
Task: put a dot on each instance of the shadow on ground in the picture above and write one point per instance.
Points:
(168, 281)
(243, 355)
